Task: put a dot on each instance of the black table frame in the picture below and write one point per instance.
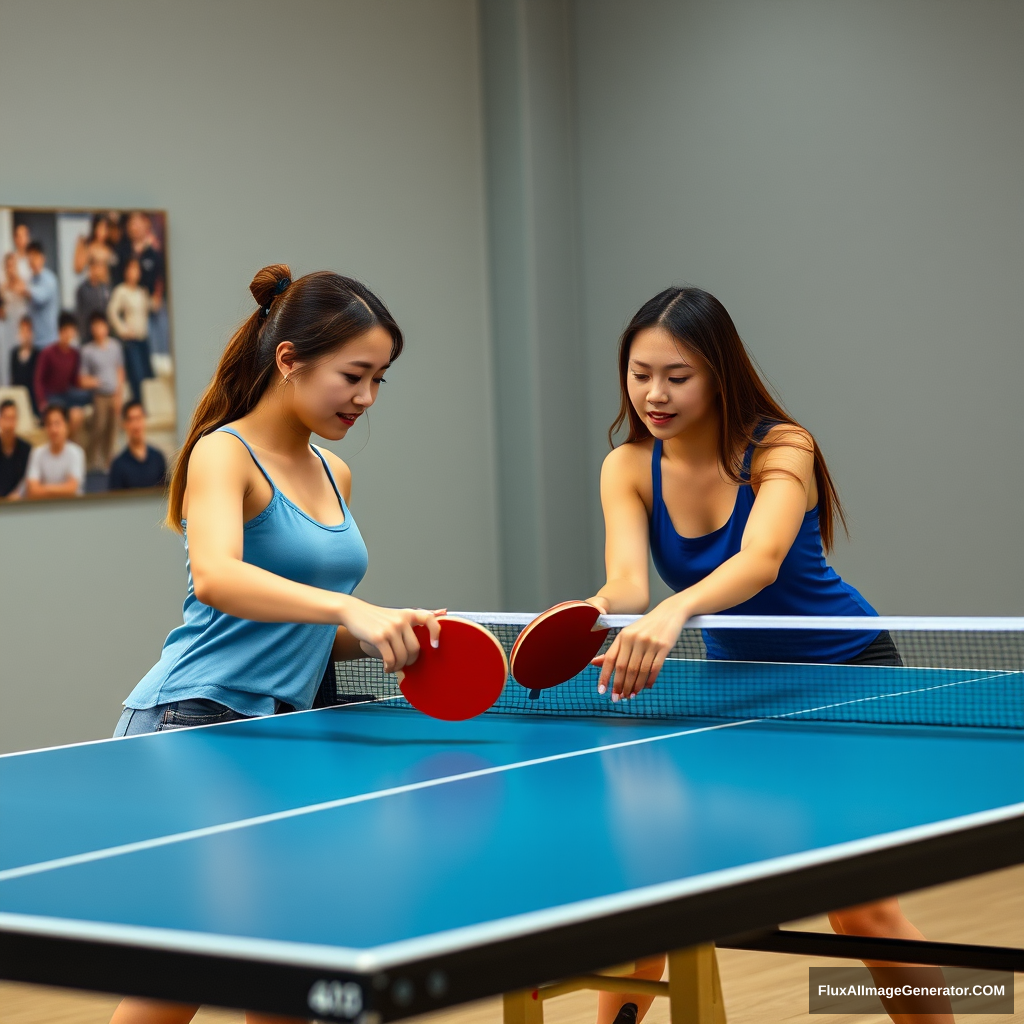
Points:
(742, 916)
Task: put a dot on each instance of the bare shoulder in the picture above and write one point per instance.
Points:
(342, 474)
(629, 458)
(219, 470)
(220, 452)
(627, 461)
(628, 467)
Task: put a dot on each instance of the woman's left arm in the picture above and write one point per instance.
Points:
(785, 489)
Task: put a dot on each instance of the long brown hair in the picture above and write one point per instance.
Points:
(699, 321)
(316, 313)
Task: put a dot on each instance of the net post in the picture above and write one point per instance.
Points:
(694, 987)
(522, 1007)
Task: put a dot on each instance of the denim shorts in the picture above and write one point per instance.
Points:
(178, 714)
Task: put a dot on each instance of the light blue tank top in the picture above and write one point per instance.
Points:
(251, 666)
(806, 584)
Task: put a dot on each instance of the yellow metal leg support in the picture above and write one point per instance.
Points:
(693, 988)
(523, 1007)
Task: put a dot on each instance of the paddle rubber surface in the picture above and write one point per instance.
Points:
(559, 644)
(461, 677)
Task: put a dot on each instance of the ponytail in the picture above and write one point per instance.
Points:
(317, 313)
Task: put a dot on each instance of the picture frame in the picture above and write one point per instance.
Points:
(87, 368)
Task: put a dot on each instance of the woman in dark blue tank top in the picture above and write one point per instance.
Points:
(734, 502)
(730, 496)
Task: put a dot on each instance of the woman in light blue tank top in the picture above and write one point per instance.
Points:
(272, 550)
(733, 501)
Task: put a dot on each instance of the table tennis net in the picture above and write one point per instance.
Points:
(947, 672)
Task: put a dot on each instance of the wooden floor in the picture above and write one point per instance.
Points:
(758, 987)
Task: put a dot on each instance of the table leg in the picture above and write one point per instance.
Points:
(694, 988)
(523, 1007)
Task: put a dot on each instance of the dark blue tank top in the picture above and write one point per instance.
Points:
(806, 584)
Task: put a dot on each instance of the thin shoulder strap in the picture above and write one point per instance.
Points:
(330, 475)
(235, 433)
(656, 472)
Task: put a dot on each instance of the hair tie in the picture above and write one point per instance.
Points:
(280, 287)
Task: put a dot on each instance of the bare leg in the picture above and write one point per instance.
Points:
(152, 1011)
(885, 920)
(609, 1003)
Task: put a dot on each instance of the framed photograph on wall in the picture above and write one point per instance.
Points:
(87, 401)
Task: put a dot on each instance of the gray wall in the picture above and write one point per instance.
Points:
(542, 406)
(333, 133)
(846, 177)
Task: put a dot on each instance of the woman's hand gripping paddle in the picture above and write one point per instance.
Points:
(461, 677)
(556, 646)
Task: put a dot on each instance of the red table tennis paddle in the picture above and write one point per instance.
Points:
(559, 644)
(461, 677)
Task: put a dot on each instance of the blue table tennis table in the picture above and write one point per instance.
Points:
(364, 862)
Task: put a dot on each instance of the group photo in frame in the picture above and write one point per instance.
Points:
(87, 396)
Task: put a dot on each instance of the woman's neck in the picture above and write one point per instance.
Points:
(696, 444)
(274, 427)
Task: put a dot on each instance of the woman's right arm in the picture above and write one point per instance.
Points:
(218, 479)
(626, 537)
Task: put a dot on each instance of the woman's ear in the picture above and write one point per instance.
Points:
(286, 358)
